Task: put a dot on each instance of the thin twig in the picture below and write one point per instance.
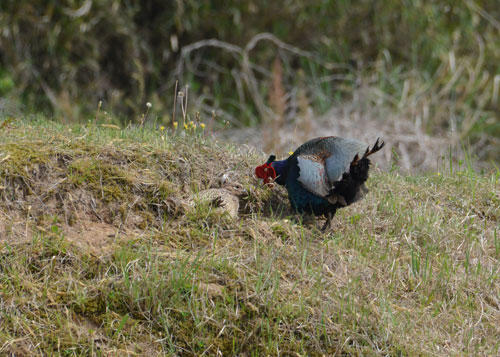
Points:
(175, 104)
(292, 49)
(98, 110)
(484, 14)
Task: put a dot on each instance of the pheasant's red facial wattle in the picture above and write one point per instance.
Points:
(266, 172)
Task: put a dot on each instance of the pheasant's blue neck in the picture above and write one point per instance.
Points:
(280, 167)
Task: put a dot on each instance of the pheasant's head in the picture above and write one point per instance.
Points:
(266, 171)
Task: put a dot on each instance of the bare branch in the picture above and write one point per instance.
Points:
(295, 50)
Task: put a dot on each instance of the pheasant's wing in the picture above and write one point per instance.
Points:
(342, 151)
(335, 153)
(312, 174)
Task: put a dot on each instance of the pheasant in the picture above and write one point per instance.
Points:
(223, 198)
(322, 175)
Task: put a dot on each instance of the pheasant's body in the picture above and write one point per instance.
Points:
(224, 199)
(323, 174)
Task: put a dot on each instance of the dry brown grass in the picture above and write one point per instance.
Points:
(99, 256)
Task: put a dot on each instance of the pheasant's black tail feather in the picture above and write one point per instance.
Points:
(376, 147)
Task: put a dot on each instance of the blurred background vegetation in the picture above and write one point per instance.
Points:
(436, 63)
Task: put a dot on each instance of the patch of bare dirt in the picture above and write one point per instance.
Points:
(90, 235)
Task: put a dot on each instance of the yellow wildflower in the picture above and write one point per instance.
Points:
(185, 127)
(202, 125)
(162, 128)
(175, 124)
(290, 153)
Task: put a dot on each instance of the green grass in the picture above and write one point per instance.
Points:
(98, 255)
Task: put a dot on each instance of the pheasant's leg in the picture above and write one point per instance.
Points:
(307, 219)
(328, 222)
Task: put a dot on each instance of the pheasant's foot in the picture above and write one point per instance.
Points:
(328, 222)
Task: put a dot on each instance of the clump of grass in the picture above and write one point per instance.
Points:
(412, 269)
(99, 105)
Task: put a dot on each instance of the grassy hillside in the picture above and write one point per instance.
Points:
(101, 255)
